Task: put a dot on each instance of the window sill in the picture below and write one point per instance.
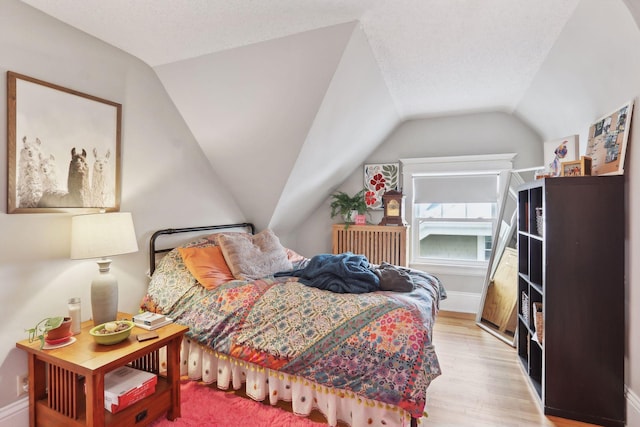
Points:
(453, 269)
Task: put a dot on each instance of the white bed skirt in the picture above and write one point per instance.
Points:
(202, 364)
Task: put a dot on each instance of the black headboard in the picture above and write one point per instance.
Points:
(153, 250)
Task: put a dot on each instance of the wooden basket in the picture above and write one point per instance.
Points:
(539, 320)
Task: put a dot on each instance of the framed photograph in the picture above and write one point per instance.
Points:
(63, 149)
(558, 151)
(607, 142)
(378, 179)
(580, 167)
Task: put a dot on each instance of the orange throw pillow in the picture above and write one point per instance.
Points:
(207, 265)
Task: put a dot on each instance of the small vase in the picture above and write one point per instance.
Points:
(61, 331)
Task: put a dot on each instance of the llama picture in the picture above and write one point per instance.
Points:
(77, 194)
(101, 191)
(63, 149)
(49, 174)
(29, 179)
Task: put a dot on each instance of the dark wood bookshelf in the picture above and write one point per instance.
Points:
(572, 262)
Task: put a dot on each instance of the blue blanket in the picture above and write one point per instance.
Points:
(342, 273)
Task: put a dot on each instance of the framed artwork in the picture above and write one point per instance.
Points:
(558, 151)
(607, 142)
(378, 179)
(580, 167)
(63, 149)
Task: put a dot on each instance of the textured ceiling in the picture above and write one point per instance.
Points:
(436, 56)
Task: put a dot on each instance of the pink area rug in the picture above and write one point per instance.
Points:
(204, 405)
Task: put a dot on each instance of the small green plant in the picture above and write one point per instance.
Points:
(342, 204)
(42, 327)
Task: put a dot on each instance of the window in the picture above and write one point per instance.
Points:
(453, 205)
(454, 215)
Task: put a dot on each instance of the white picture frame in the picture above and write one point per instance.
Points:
(558, 151)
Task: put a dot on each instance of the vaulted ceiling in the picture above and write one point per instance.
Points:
(256, 78)
(436, 56)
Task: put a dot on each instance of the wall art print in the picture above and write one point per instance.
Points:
(63, 149)
(558, 151)
(607, 142)
(378, 179)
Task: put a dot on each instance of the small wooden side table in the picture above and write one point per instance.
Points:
(66, 384)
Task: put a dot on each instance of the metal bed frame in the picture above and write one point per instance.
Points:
(153, 249)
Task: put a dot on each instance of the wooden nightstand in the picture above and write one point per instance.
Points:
(74, 378)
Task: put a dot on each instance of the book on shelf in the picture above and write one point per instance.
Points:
(148, 318)
(167, 320)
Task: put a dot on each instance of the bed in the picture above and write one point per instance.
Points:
(359, 358)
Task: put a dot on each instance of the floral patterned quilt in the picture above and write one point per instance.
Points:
(377, 345)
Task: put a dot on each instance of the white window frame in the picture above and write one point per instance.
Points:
(501, 164)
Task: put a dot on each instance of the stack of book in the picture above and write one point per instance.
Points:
(151, 321)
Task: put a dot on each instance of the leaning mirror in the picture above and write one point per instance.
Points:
(497, 313)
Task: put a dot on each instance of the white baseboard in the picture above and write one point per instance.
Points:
(15, 414)
(633, 409)
(464, 302)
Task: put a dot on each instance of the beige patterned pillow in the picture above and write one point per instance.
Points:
(254, 257)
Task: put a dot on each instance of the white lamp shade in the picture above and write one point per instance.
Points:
(102, 235)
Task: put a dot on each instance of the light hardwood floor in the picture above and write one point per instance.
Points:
(482, 384)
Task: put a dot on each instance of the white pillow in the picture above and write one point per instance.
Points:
(251, 257)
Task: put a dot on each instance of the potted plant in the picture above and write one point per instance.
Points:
(52, 327)
(344, 205)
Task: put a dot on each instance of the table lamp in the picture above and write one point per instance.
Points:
(100, 236)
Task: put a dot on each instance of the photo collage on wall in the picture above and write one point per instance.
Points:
(607, 142)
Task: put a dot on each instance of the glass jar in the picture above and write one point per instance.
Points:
(74, 312)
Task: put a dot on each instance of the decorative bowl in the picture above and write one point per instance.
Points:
(106, 335)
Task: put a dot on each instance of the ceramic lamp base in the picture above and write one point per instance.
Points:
(104, 295)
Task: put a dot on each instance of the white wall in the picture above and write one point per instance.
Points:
(357, 112)
(166, 180)
(592, 70)
(250, 108)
